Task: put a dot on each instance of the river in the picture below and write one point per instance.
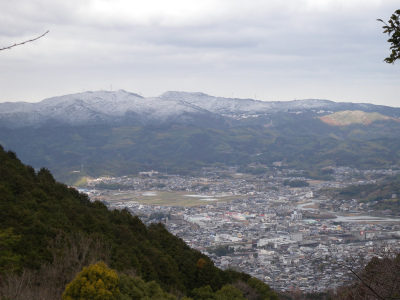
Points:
(342, 217)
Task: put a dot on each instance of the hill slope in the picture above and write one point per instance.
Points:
(53, 231)
(124, 108)
(120, 133)
(103, 108)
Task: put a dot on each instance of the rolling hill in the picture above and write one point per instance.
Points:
(49, 232)
(121, 133)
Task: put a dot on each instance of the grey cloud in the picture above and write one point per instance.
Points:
(262, 44)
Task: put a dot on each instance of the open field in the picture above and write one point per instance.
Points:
(168, 198)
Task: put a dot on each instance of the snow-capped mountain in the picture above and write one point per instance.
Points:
(234, 106)
(121, 107)
(103, 107)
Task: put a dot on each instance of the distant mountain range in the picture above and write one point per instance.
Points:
(120, 133)
(124, 108)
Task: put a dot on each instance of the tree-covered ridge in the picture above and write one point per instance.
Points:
(382, 195)
(117, 151)
(98, 282)
(49, 232)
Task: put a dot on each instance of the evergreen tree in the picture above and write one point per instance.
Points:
(229, 292)
(9, 260)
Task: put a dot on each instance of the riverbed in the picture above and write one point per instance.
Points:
(342, 217)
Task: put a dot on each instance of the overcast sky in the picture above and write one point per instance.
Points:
(259, 49)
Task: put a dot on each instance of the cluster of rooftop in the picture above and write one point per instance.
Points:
(289, 237)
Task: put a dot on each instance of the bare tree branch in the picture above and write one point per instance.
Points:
(378, 279)
(9, 47)
(364, 283)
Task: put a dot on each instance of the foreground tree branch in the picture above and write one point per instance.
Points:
(377, 280)
(9, 47)
(393, 30)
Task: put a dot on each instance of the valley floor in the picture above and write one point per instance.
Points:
(288, 237)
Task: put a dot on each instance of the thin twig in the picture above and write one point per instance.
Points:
(363, 282)
(9, 47)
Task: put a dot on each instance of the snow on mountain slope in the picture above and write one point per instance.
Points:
(9, 107)
(233, 105)
(124, 108)
(218, 104)
(249, 106)
(102, 107)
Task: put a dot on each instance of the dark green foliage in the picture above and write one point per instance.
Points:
(203, 293)
(393, 30)
(295, 183)
(252, 290)
(132, 288)
(263, 289)
(221, 250)
(357, 191)
(50, 220)
(229, 292)
(9, 260)
(306, 143)
(113, 186)
(252, 170)
(384, 195)
(323, 174)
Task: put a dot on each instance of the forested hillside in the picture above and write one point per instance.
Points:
(383, 195)
(120, 133)
(49, 232)
(117, 151)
